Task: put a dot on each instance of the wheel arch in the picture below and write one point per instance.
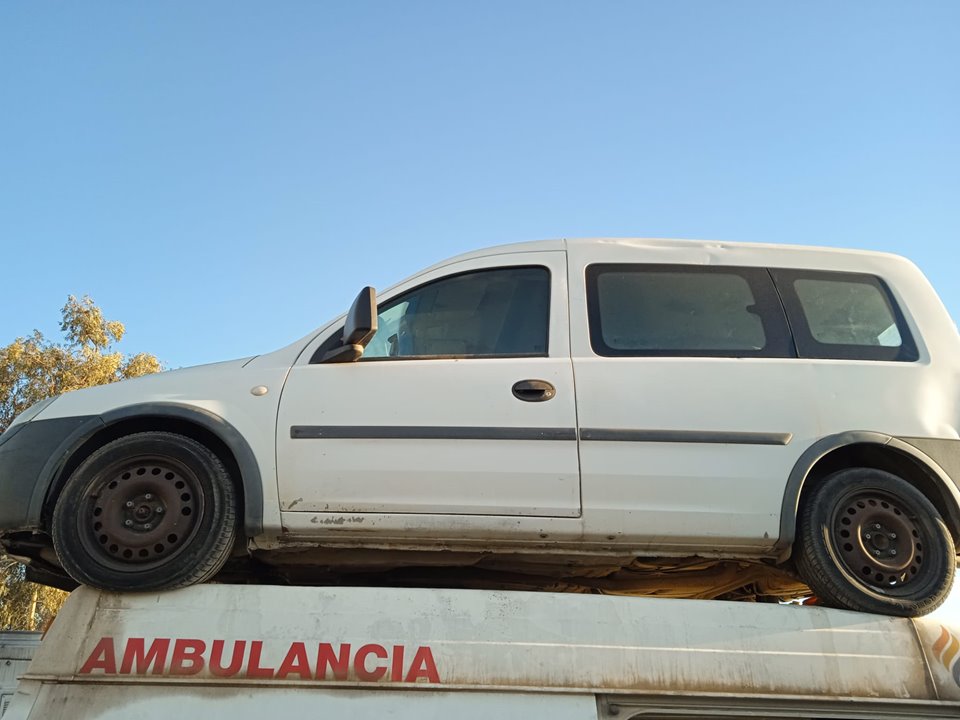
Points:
(867, 449)
(202, 425)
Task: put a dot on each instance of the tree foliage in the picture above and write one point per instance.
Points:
(32, 369)
(25, 605)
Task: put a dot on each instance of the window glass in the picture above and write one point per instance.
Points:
(674, 310)
(388, 326)
(844, 316)
(497, 312)
(847, 312)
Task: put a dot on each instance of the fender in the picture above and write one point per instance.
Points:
(826, 445)
(50, 481)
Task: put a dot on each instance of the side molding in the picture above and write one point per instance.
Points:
(686, 436)
(824, 446)
(246, 460)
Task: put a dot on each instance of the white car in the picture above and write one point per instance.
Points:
(797, 408)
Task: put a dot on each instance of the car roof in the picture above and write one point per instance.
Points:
(767, 253)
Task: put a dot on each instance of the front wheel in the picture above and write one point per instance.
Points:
(867, 540)
(149, 511)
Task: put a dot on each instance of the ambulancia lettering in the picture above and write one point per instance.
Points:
(370, 662)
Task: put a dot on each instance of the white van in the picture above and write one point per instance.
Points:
(255, 652)
(581, 403)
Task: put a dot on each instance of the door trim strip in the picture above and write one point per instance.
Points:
(427, 432)
(441, 432)
(686, 436)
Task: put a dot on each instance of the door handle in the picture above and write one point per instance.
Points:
(533, 390)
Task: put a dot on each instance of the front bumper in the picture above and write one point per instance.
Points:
(31, 455)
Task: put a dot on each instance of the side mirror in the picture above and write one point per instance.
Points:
(360, 327)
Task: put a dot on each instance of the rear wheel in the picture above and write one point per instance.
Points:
(870, 541)
(149, 511)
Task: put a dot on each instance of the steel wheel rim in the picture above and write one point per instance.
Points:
(878, 540)
(139, 513)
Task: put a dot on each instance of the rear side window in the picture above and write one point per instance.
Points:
(682, 310)
(844, 316)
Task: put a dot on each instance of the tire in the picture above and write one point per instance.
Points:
(867, 540)
(150, 511)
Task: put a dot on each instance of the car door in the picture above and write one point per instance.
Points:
(692, 406)
(463, 402)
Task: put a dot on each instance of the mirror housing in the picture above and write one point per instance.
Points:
(359, 328)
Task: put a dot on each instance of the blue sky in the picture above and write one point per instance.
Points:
(224, 176)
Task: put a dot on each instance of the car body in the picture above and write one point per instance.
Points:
(648, 398)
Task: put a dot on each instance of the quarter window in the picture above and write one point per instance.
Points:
(672, 310)
(846, 316)
(502, 312)
(847, 313)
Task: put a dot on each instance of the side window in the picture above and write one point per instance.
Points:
(685, 310)
(844, 316)
(487, 313)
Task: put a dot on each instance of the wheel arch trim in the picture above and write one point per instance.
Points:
(51, 480)
(824, 446)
